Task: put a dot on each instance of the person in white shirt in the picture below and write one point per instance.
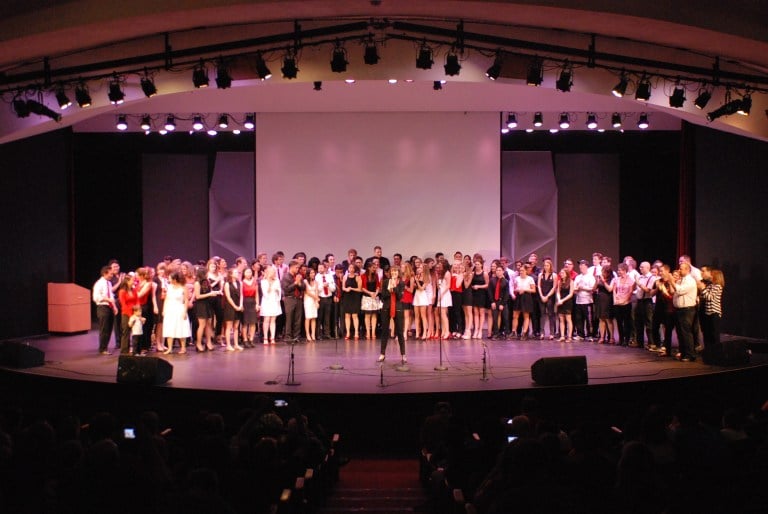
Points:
(583, 286)
(684, 299)
(106, 309)
(645, 290)
(633, 274)
(524, 287)
(326, 286)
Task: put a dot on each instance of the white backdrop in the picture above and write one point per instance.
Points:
(414, 183)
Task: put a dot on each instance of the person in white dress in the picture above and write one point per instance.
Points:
(311, 304)
(444, 299)
(270, 303)
(175, 321)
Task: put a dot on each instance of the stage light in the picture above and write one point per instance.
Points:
(591, 121)
(538, 119)
(621, 88)
(495, 70)
(21, 109)
(339, 59)
(424, 59)
(512, 120)
(730, 107)
(317, 85)
(82, 96)
(122, 122)
(452, 66)
(289, 68)
(236, 132)
(565, 80)
(642, 122)
(262, 71)
(200, 76)
(528, 130)
(40, 109)
(437, 85)
(616, 120)
(250, 121)
(643, 91)
(371, 54)
(212, 132)
(703, 99)
(535, 73)
(197, 122)
(116, 95)
(554, 131)
(746, 105)
(223, 78)
(505, 130)
(170, 123)
(678, 96)
(148, 85)
(146, 123)
(349, 81)
(62, 99)
(223, 121)
(565, 121)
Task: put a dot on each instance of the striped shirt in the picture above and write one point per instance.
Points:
(712, 296)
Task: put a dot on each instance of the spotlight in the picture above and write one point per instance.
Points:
(538, 119)
(250, 121)
(197, 122)
(495, 70)
(212, 132)
(223, 121)
(616, 120)
(591, 121)
(642, 122)
(565, 80)
(746, 105)
(262, 71)
(339, 59)
(678, 96)
(200, 76)
(424, 59)
(703, 99)
(116, 95)
(148, 86)
(511, 120)
(643, 92)
(730, 107)
(170, 123)
(122, 122)
(565, 122)
(621, 88)
(289, 69)
(317, 85)
(223, 78)
(371, 55)
(63, 99)
(21, 108)
(82, 96)
(146, 123)
(437, 85)
(452, 66)
(535, 73)
(236, 132)
(505, 130)
(40, 109)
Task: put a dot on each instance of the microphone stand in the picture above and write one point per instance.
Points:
(440, 366)
(485, 378)
(337, 365)
(291, 370)
(381, 376)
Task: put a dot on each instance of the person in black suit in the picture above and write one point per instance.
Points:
(392, 290)
(292, 284)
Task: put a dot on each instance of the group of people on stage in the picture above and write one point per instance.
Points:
(212, 303)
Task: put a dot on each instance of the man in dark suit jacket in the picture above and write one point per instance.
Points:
(292, 285)
(392, 290)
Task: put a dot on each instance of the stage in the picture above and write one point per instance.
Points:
(264, 369)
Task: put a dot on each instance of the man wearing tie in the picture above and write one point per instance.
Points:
(645, 291)
(326, 286)
(106, 308)
(292, 284)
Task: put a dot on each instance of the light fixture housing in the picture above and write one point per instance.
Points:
(116, 95)
(122, 122)
(170, 123)
(148, 86)
(317, 85)
(223, 78)
(642, 121)
(565, 120)
(616, 120)
(565, 79)
(371, 54)
(591, 121)
(250, 121)
(197, 122)
(452, 66)
(262, 70)
(146, 123)
(678, 97)
(512, 120)
(339, 59)
(424, 59)
(494, 71)
(643, 91)
(437, 85)
(62, 99)
(289, 69)
(223, 121)
(82, 96)
(745, 106)
(200, 76)
(730, 107)
(535, 74)
(620, 89)
(21, 108)
(538, 119)
(703, 99)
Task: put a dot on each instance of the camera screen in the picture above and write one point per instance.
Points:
(128, 433)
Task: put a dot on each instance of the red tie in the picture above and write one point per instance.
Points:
(325, 286)
(392, 302)
(498, 286)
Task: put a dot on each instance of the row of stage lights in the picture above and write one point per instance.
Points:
(566, 120)
(199, 123)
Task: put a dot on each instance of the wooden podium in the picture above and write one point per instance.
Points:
(69, 308)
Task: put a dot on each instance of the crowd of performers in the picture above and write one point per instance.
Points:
(214, 305)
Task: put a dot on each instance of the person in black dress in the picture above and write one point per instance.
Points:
(351, 296)
(392, 290)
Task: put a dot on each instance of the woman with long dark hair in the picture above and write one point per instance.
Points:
(546, 289)
(711, 297)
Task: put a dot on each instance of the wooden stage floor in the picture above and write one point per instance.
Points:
(265, 368)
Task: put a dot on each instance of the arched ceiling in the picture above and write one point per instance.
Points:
(76, 32)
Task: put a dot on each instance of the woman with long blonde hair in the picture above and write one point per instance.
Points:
(421, 300)
(407, 301)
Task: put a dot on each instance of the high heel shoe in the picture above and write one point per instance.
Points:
(200, 348)
(210, 347)
(230, 349)
(238, 347)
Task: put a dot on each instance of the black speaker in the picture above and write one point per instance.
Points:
(20, 355)
(727, 353)
(143, 370)
(560, 370)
